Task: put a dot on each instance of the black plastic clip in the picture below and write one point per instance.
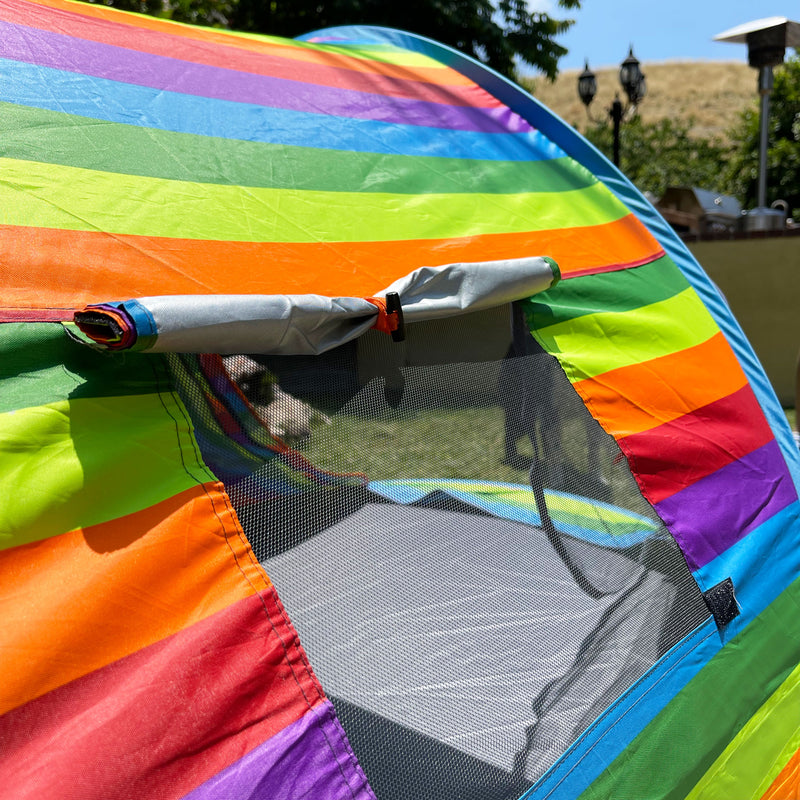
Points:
(395, 309)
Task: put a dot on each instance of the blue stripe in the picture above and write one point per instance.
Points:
(530, 517)
(614, 730)
(102, 99)
(762, 565)
(145, 325)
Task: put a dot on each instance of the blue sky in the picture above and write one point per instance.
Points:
(659, 30)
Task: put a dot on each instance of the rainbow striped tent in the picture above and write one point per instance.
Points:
(609, 612)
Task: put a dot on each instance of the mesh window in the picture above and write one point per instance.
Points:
(465, 555)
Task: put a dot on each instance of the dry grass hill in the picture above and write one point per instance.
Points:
(713, 92)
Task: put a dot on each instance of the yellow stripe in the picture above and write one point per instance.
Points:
(57, 196)
(74, 463)
(751, 762)
(597, 343)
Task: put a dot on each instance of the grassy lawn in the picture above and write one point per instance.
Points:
(441, 443)
(466, 443)
(462, 443)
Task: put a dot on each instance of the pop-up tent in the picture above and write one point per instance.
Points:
(365, 434)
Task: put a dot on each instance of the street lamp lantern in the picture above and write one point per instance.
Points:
(587, 85)
(632, 78)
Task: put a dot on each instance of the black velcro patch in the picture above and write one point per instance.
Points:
(721, 602)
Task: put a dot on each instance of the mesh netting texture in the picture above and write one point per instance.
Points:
(464, 553)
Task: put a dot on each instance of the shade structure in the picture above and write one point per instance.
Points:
(147, 651)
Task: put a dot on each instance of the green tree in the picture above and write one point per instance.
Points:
(213, 13)
(656, 155)
(783, 153)
(501, 34)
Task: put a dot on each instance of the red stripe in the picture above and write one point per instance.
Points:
(37, 314)
(639, 262)
(230, 57)
(677, 454)
(163, 720)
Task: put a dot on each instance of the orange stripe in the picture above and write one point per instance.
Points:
(444, 76)
(82, 600)
(642, 396)
(787, 785)
(95, 267)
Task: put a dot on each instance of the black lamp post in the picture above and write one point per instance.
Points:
(633, 83)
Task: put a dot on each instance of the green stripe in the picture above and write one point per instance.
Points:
(674, 751)
(753, 760)
(113, 147)
(599, 342)
(75, 463)
(47, 195)
(85, 436)
(40, 364)
(620, 291)
(380, 53)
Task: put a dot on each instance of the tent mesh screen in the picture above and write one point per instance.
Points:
(465, 555)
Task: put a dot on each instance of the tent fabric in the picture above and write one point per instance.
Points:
(141, 159)
(677, 470)
(189, 187)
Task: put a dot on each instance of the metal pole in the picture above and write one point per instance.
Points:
(616, 116)
(765, 83)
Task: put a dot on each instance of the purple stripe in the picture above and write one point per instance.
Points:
(120, 64)
(311, 758)
(709, 516)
